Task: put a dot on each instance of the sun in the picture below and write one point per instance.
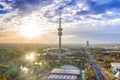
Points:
(30, 30)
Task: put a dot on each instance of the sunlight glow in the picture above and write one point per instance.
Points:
(24, 69)
(30, 56)
(30, 30)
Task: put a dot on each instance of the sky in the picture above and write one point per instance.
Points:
(97, 21)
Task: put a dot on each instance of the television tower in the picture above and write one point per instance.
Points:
(60, 34)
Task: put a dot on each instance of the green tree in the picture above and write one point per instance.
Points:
(12, 71)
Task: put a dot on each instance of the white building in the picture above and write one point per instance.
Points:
(117, 74)
(115, 67)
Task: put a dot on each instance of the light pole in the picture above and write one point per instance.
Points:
(60, 34)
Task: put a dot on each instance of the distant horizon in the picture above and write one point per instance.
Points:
(63, 43)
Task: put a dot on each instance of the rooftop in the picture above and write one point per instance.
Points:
(65, 71)
(117, 74)
(70, 67)
(62, 77)
(116, 65)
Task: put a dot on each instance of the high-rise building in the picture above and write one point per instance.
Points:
(88, 44)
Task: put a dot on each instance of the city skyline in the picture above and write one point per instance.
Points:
(96, 21)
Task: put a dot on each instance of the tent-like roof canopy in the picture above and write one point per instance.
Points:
(70, 67)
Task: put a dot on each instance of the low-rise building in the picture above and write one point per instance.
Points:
(65, 73)
(115, 67)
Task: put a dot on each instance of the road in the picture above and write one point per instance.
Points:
(97, 70)
(88, 67)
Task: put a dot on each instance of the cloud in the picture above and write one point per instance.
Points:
(84, 19)
(30, 5)
(98, 6)
(70, 8)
